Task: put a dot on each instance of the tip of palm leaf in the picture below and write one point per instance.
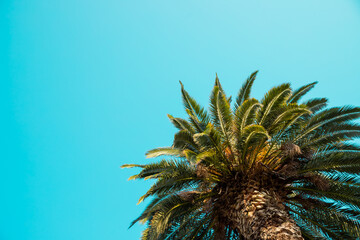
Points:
(130, 165)
(253, 75)
(149, 154)
(188, 112)
(217, 81)
(132, 177)
(143, 221)
(141, 199)
(133, 223)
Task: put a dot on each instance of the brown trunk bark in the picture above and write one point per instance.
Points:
(258, 214)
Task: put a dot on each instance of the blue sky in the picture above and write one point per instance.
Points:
(86, 86)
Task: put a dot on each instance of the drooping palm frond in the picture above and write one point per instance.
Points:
(276, 148)
(299, 93)
(316, 104)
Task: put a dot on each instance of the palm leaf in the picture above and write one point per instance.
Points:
(169, 151)
(245, 90)
(299, 93)
(193, 107)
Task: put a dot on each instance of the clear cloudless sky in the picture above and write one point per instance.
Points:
(85, 86)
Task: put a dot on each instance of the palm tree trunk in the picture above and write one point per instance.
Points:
(259, 214)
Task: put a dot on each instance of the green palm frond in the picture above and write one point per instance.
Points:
(224, 114)
(251, 137)
(316, 104)
(273, 99)
(218, 84)
(167, 184)
(181, 124)
(190, 104)
(214, 106)
(246, 113)
(168, 151)
(245, 90)
(184, 140)
(336, 115)
(299, 93)
(334, 161)
(288, 115)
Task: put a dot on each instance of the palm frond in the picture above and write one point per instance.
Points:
(299, 93)
(316, 104)
(181, 124)
(169, 151)
(246, 113)
(184, 140)
(198, 112)
(273, 99)
(336, 115)
(245, 90)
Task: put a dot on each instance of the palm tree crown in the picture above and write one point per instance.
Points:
(269, 169)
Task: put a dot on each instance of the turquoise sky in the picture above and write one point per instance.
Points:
(86, 86)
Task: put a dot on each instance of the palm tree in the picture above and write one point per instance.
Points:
(272, 169)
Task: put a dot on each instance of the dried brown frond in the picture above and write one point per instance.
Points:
(188, 195)
(229, 155)
(291, 150)
(308, 203)
(319, 181)
(208, 205)
(202, 171)
(290, 168)
(308, 153)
